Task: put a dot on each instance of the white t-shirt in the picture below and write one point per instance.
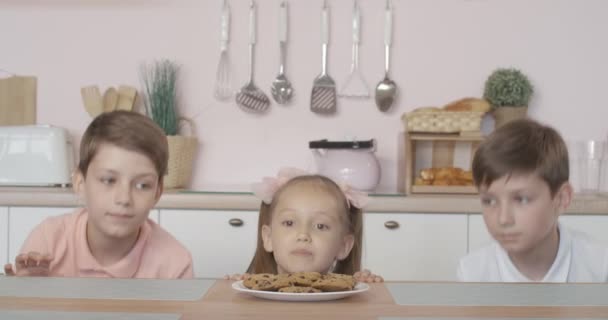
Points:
(579, 259)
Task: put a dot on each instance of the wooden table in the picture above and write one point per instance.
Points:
(222, 302)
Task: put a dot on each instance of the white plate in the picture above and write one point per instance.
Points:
(286, 296)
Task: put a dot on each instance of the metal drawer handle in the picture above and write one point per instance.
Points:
(391, 224)
(235, 222)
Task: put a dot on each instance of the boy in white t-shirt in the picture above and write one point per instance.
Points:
(521, 171)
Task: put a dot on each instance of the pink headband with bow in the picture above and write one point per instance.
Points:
(266, 189)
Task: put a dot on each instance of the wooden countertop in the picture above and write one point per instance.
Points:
(189, 199)
(222, 302)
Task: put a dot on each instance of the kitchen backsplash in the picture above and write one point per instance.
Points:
(442, 50)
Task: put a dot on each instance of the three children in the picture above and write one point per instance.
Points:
(307, 222)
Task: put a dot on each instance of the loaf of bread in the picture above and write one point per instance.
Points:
(468, 104)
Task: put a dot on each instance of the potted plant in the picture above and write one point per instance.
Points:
(509, 91)
(160, 101)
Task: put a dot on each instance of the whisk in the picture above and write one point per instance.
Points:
(223, 88)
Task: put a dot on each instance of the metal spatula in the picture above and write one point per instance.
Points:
(250, 98)
(323, 97)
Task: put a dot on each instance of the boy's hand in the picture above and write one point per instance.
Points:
(237, 276)
(32, 264)
(367, 276)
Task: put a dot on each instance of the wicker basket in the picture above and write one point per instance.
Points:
(181, 159)
(440, 121)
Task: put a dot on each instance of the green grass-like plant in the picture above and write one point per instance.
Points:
(159, 80)
(508, 87)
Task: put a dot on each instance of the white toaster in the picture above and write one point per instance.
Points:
(36, 155)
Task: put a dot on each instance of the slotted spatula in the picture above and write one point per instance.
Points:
(323, 97)
(250, 98)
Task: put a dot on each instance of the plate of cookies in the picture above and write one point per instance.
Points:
(300, 286)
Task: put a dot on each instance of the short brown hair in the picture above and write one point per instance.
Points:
(129, 130)
(264, 262)
(522, 146)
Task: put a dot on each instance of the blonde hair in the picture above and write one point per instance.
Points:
(129, 130)
(264, 262)
(522, 146)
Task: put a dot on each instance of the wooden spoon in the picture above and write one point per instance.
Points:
(93, 102)
(126, 98)
(110, 99)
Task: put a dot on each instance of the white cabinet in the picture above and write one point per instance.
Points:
(478, 233)
(221, 242)
(595, 226)
(403, 246)
(3, 236)
(22, 220)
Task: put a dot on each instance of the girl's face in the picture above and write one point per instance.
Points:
(119, 190)
(308, 230)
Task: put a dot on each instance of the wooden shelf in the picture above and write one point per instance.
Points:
(444, 189)
(443, 146)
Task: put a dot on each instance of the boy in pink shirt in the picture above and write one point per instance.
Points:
(123, 157)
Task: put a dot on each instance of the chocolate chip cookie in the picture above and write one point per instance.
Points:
(299, 290)
(260, 281)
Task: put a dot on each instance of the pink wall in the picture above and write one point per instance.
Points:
(443, 50)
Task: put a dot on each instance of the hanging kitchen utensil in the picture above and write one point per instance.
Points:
(250, 98)
(281, 87)
(18, 100)
(386, 90)
(126, 98)
(323, 97)
(110, 99)
(93, 102)
(355, 85)
(223, 84)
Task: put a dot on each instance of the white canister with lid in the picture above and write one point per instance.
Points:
(353, 163)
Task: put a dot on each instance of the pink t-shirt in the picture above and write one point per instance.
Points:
(156, 254)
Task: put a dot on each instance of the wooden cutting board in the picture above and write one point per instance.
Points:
(18, 101)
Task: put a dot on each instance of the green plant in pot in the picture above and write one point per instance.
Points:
(509, 91)
(161, 104)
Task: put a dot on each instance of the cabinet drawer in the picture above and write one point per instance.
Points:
(414, 246)
(3, 235)
(594, 226)
(221, 242)
(22, 220)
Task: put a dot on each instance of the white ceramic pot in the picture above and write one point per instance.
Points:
(350, 162)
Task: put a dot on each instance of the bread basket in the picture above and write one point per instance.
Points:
(442, 121)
